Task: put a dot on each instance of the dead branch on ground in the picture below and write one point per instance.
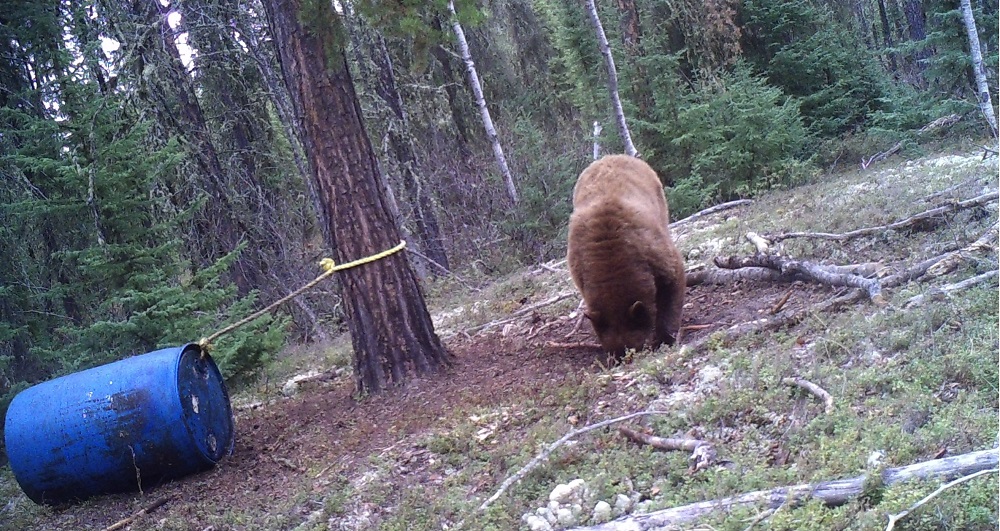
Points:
(832, 493)
(940, 291)
(763, 274)
(809, 270)
(541, 457)
(940, 123)
(580, 344)
(711, 210)
(579, 319)
(520, 313)
(759, 242)
(893, 518)
(702, 453)
(947, 208)
(774, 323)
(816, 390)
(931, 197)
(781, 302)
(727, 276)
(944, 263)
(144, 511)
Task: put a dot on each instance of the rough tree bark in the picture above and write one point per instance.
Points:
(982, 88)
(609, 61)
(390, 327)
(477, 90)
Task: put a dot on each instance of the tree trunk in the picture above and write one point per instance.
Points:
(390, 327)
(400, 140)
(609, 60)
(887, 35)
(634, 52)
(477, 90)
(982, 89)
(917, 32)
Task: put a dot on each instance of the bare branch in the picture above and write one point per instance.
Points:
(831, 493)
(816, 390)
(948, 288)
(702, 453)
(711, 210)
(946, 208)
(540, 458)
(144, 511)
(661, 443)
(893, 518)
(809, 270)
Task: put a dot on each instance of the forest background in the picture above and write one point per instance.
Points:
(155, 187)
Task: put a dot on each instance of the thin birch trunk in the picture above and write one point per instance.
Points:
(616, 102)
(477, 90)
(982, 89)
(597, 139)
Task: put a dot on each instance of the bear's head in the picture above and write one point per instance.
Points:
(630, 327)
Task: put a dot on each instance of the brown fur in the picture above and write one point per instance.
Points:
(621, 255)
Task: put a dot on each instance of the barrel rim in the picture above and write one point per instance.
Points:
(198, 350)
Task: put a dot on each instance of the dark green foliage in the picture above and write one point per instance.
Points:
(733, 139)
(804, 51)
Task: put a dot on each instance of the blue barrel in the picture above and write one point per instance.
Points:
(125, 426)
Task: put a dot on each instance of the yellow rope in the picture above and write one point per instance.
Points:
(329, 268)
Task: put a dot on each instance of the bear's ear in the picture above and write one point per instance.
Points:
(638, 313)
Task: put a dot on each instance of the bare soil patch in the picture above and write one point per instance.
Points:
(295, 445)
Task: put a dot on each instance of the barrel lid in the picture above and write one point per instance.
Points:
(208, 415)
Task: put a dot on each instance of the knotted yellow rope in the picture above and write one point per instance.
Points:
(329, 268)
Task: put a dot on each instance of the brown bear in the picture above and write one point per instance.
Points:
(621, 255)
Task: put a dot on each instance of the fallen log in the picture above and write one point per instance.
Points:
(831, 493)
(803, 268)
(923, 217)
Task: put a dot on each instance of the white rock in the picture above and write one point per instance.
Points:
(547, 514)
(602, 512)
(536, 523)
(622, 504)
(565, 517)
(562, 494)
(576, 509)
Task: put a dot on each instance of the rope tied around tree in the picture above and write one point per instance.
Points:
(329, 268)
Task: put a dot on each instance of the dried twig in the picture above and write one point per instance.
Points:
(948, 288)
(949, 207)
(520, 313)
(943, 263)
(893, 518)
(711, 210)
(816, 390)
(145, 510)
(579, 319)
(541, 457)
(702, 453)
(662, 443)
(781, 302)
(581, 344)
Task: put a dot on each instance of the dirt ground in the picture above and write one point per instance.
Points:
(292, 445)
